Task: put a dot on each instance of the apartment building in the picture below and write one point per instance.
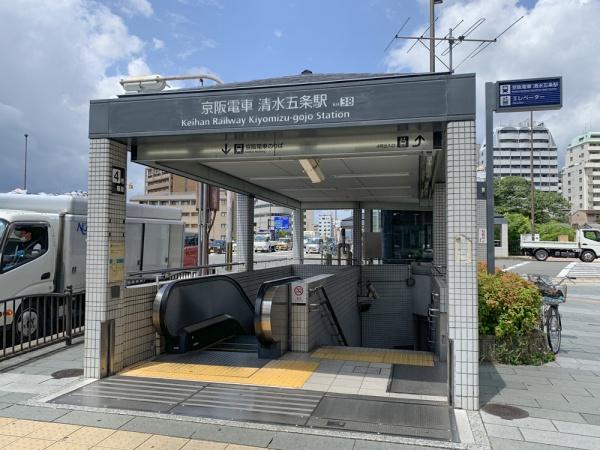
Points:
(581, 174)
(166, 189)
(512, 154)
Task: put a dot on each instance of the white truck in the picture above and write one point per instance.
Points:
(43, 247)
(585, 247)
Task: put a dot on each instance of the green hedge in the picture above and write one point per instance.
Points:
(509, 309)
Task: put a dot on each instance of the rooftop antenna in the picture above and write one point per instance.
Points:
(453, 41)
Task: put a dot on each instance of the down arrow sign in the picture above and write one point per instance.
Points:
(226, 149)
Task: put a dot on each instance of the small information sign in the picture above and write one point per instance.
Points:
(529, 95)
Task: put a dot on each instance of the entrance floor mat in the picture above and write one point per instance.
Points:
(375, 355)
(226, 367)
(260, 404)
(374, 415)
(420, 380)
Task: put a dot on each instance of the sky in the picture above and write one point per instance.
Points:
(58, 55)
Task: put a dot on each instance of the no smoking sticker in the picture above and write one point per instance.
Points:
(298, 290)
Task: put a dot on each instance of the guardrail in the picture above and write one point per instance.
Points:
(34, 321)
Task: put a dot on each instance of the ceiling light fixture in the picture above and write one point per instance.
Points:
(311, 168)
(372, 188)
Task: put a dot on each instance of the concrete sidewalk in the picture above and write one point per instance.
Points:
(562, 399)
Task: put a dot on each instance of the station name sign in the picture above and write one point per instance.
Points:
(532, 94)
(268, 110)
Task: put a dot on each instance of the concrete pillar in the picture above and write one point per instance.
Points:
(440, 217)
(461, 272)
(244, 215)
(105, 260)
(357, 235)
(298, 232)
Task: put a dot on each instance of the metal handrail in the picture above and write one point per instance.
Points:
(329, 307)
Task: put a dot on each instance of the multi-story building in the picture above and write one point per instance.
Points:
(581, 174)
(512, 154)
(325, 226)
(166, 189)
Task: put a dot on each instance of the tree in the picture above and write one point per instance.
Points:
(513, 195)
(518, 224)
(552, 230)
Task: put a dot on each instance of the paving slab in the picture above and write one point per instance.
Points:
(289, 441)
(566, 439)
(503, 432)
(509, 444)
(553, 414)
(577, 428)
(93, 419)
(33, 412)
(245, 436)
(528, 422)
(163, 427)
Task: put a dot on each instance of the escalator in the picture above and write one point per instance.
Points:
(215, 314)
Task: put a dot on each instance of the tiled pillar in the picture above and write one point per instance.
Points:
(368, 220)
(244, 215)
(440, 220)
(298, 232)
(105, 283)
(461, 273)
(357, 235)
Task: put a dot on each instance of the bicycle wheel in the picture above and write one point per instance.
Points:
(553, 329)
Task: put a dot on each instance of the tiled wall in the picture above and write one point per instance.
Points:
(461, 274)
(298, 244)
(244, 225)
(388, 322)
(251, 281)
(481, 225)
(440, 221)
(106, 223)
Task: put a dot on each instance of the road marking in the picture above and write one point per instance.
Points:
(565, 272)
(515, 266)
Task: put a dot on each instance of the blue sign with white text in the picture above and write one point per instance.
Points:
(281, 222)
(530, 95)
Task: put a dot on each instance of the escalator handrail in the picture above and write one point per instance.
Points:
(162, 298)
(263, 329)
(327, 303)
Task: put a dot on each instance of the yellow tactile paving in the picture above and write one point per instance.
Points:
(163, 443)
(89, 436)
(20, 427)
(374, 355)
(278, 373)
(5, 441)
(124, 440)
(26, 443)
(53, 431)
(92, 438)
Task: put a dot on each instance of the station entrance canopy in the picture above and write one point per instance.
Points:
(376, 139)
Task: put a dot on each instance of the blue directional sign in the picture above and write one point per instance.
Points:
(281, 222)
(529, 95)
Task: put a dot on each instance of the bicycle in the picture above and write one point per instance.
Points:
(553, 294)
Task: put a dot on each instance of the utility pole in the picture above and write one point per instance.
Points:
(25, 173)
(532, 181)
(432, 34)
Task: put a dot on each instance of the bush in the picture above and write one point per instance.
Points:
(552, 230)
(517, 225)
(509, 310)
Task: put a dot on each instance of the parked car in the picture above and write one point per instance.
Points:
(263, 243)
(283, 244)
(314, 245)
(216, 246)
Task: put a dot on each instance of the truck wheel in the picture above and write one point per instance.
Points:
(587, 256)
(541, 254)
(28, 323)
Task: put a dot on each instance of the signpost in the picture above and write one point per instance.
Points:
(281, 222)
(532, 94)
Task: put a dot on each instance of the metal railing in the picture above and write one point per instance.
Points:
(34, 321)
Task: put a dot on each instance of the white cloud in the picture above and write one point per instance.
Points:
(556, 37)
(136, 7)
(278, 33)
(158, 44)
(59, 58)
